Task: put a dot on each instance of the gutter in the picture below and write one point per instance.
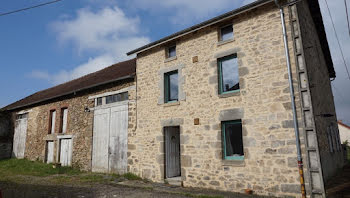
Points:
(72, 92)
(200, 26)
(291, 89)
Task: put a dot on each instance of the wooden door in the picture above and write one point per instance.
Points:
(118, 135)
(172, 152)
(49, 152)
(19, 139)
(100, 140)
(66, 152)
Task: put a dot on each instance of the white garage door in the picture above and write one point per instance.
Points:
(110, 139)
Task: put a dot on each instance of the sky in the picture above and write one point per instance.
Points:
(46, 46)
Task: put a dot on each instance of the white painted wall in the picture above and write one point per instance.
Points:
(344, 133)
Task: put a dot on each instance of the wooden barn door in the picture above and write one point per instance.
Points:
(66, 152)
(100, 140)
(118, 139)
(172, 152)
(110, 139)
(19, 139)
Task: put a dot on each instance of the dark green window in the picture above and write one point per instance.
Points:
(232, 140)
(228, 74)
(226, 33)
(171, 86)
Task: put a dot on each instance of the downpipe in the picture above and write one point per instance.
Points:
(291, 89)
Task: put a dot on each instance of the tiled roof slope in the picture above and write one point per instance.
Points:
(110, 74)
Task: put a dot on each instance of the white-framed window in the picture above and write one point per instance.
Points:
(119, 97)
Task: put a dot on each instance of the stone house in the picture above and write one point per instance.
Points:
(229, 104)
(214, 103)
(79, 123)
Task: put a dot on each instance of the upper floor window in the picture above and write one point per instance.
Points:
(52, 124)
(171, 86)
(232, 140)
(117, 98)
(226, 33)
(171, 51)
(64, 120)
(228, 74)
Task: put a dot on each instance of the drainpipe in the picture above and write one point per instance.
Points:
(291, 89)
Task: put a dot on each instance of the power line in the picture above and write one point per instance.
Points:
(347, 16)
(28, 8)
(336, 35)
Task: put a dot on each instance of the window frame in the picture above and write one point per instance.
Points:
(167, 86)
(223, 135)
(220, 33)
(220, 74)
(168, 52)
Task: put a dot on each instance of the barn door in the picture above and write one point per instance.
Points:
(19, 139)
(118, 139)
(172, 151)
(49, 152)
(66, 152)
(100, 140)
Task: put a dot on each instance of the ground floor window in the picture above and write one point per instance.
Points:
(232, 140)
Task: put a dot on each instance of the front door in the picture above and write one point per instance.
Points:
(110, 139)
(19, 139)
(172, 152)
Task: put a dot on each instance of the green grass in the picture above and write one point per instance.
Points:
(131, 176)
(33, 168)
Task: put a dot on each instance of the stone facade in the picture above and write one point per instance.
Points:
(80, 124)
(263, 104)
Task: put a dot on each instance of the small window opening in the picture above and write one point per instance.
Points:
(226, 33)
(172, 51)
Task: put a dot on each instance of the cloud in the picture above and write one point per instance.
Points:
(341, 89)
(107, 33)
(185, 11)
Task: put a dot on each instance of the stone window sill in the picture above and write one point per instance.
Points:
(236, 163)
(170, 104)
(170, 59)
(226, 95)
(225, 42)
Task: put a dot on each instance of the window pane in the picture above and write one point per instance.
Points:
(226, 33)
(172, 51)
(99, 101)
(229, 74)
(172, 86)
(233, 139)
(117, 98)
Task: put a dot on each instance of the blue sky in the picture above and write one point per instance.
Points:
(49, 45)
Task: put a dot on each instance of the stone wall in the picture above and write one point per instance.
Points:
(263, 104)
(80, 124)
(321, 92)
(5, 136)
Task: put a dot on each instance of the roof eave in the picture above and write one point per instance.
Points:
(68, 93)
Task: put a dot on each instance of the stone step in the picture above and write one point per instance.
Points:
(174, 181)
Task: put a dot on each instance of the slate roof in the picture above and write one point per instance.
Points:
(116, 72)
